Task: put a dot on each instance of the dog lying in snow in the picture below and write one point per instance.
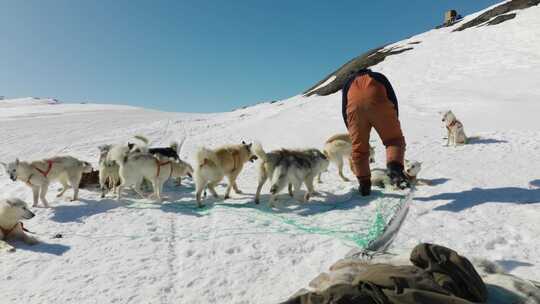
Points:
(213, 165)
(39, 174)
(339, 146)
(380, 178)
(456, 133)
(134, 166)
(289, 167)
(12, 211)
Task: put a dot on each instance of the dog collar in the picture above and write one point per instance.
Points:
(453, 123)
(7, 232)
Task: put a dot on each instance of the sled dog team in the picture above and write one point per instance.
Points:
(122, 166)
(128, 165)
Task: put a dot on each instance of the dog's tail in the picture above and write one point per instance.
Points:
(258, 150)
(280, 179)
(119, 154)
(143, 139)
(206, 157)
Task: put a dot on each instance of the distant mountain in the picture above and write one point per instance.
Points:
(489, 17)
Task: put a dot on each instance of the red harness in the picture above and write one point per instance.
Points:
(453, 123)
(46, 172)
(6, 232)
(160, 164)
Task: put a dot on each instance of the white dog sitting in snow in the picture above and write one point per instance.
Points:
(380, 178)
(456, 133)
(12, 211)
(39, 174)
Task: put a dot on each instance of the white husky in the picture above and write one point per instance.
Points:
(12, 211)
(411, 169)
(109, 177)
(214, 164)
(39, 174)
(136, 166)
(456, 133)
(339, 146)
(289, 167)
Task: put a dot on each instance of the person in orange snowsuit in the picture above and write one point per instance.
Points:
(369, 102)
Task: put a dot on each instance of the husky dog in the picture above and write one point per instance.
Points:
(136, 166)
(170, 152)
(380, 178)
(181, 168)
(39, 174)
(339, 146)
(289, 167)
(109, 177)
(12, 211)
(456, 133)
(213, 165)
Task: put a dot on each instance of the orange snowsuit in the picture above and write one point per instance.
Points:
(368, 105)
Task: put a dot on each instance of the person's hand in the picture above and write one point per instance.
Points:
(397, 177)
(365, 186)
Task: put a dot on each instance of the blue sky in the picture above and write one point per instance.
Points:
(195, 56)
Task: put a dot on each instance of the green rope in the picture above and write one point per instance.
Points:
(270, 222)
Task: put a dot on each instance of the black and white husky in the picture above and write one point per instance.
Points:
(411, 169)
(289, 167)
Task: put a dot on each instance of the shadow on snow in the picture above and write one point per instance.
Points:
(466, 199)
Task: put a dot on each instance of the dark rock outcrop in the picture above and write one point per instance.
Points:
(365, 60)
(496, 12)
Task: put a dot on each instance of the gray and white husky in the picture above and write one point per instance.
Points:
(339, 146)
(411, 169)
(289, 167)
(39, 174)
(456, 133)
(12, 211)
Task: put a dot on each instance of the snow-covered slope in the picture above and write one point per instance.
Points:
(484, 201)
